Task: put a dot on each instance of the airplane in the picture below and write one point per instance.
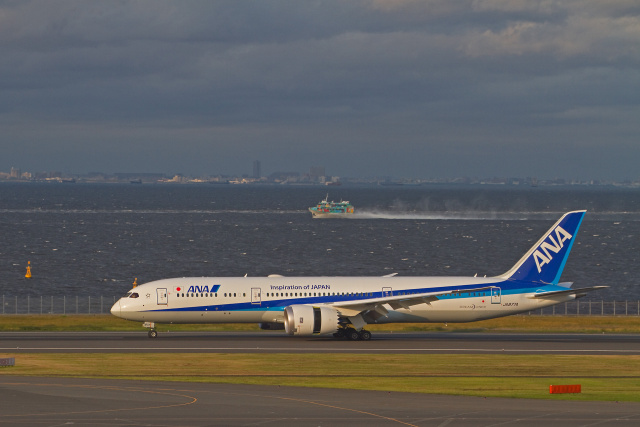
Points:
(343, 306)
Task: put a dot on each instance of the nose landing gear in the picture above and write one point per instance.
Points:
(152, 331)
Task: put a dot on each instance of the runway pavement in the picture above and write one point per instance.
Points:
(278, 342)
(91, 402)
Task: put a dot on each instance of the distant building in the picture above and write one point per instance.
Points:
(316, 173)
(285, 177)
(257, 169)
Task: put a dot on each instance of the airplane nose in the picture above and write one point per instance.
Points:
(115, 310)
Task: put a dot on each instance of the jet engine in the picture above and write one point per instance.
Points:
(309, 320)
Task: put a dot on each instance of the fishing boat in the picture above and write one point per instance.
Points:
(327, 209)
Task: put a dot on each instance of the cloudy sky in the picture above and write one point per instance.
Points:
(404, 88)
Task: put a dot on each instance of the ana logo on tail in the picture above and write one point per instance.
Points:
(555, 246)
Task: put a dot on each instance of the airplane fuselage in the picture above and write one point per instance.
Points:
(248, 300)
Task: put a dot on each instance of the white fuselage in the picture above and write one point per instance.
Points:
(244, 299)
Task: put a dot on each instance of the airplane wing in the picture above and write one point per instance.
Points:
(577, 291)
(353, 308)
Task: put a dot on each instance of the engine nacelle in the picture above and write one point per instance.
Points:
(309, 320)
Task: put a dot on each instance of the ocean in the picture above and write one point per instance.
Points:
(95, 239)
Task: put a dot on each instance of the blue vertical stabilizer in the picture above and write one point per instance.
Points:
(546, 259)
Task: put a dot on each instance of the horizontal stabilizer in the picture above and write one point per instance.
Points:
(568, 291)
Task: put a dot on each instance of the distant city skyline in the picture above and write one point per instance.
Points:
(403, 88)
(315, 175)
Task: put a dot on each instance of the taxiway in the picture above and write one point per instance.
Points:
(60, 401)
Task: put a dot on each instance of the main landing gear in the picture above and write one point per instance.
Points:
(152, 331)
(352, 334)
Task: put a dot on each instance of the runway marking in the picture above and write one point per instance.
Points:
(114, 388)
(311, 402)
(348, 409)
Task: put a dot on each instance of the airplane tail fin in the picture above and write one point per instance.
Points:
(546, 259)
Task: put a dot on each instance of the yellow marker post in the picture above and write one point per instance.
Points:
(28, 275)
(135, 282)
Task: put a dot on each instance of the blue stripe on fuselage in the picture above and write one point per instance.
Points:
(508, 287)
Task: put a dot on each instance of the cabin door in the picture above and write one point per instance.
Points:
(162, 296)
(255, 296)
(495, 295)
(387, 292)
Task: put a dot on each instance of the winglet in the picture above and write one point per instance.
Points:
(545, 261)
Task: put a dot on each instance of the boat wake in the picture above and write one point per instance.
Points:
(486, 215)
(448, 215)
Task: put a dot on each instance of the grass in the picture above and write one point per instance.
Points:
(515, 324)
(604, 378)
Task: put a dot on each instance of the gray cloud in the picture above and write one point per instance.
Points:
(420, 88)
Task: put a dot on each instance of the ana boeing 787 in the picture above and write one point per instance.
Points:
(343, 306)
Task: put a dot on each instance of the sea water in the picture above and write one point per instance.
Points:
(95, 239)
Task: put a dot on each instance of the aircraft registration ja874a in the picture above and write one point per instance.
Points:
(343, 306)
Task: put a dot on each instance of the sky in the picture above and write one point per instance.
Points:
(401, 88)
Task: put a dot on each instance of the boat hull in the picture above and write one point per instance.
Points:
(317, 214)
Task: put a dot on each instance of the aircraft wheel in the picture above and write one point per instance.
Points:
(153, 333)
(365, 335)
(352, 334)
(339, 333)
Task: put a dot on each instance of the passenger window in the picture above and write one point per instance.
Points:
(234, 294)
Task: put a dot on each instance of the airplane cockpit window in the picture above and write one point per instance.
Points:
(134, 295)
(127, 295)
